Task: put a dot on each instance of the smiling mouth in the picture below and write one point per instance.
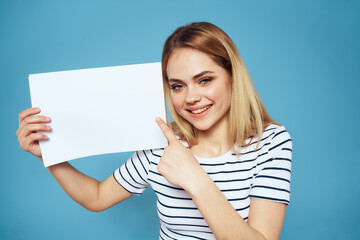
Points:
(198, 111)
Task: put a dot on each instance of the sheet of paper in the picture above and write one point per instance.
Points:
(100, 110)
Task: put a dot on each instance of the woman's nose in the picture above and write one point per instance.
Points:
(192, 97)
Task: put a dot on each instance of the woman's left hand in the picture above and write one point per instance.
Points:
(178, 165)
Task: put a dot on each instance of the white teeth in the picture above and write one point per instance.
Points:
(201, 109)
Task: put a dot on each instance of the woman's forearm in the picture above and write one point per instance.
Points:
(80, 187)
(221, 217)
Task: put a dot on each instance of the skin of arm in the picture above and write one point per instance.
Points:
(265, 217)
(88, 192)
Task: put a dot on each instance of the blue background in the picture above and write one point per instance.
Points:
(303, 57)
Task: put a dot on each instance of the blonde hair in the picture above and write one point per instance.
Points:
(248, 117)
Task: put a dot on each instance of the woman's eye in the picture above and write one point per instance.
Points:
(176, 87)
(205, 80)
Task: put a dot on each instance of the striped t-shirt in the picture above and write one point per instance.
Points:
(258, 173)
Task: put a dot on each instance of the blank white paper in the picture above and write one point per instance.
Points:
(100, 110)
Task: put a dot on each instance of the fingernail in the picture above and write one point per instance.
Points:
(48, 119)
(37, 109)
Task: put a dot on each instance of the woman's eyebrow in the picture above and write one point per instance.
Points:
(194, 77)
(174, 80)
(201, 74)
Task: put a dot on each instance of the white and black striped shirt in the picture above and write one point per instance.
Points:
(258, 173)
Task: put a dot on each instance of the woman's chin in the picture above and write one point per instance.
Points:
(202, 127)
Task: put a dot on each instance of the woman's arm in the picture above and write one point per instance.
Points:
(91, 194)
(265, 217)
(88, 192)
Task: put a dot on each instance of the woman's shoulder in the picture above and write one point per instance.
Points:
(278, 138)
(276, 131)
(150, 155)
(272, 131)
(271, 137)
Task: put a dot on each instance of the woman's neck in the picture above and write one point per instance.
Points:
(213, 142)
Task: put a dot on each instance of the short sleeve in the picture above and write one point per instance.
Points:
(272, 177)
(132, 175)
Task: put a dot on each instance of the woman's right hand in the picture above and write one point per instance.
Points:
(91, 194)
(29, 124)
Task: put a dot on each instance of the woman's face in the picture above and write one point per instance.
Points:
(200, 89)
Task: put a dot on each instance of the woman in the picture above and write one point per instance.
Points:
(226, 171)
